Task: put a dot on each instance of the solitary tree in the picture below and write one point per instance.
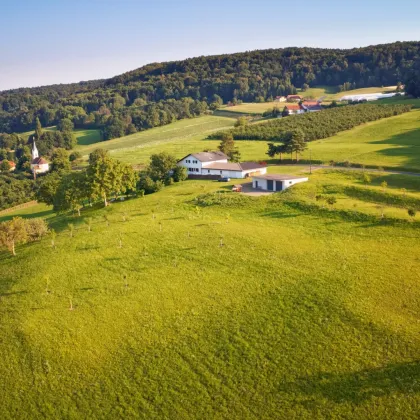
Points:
(297, 143)
(366, 178)
(36, 228)
(331, 200)
(38, 129)
(60, 161)
(160, 165)
(101, 175)
(384, 184)
(227, 146)
(412, 212)
(12, 233)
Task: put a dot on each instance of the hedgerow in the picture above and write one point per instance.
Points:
(316, 125)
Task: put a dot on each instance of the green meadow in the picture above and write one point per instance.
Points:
(208, 304)
(392, 143)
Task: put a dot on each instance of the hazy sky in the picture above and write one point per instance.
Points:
(59, 41)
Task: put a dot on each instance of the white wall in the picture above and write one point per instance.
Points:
(277, 185)
(190, 162)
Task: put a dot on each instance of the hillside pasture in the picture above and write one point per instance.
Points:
(392, 142)
(243, 308)
(181, 131)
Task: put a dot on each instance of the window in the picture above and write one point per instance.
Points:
(221, 172)
(208, 170)
(194, 161)
(290, 182)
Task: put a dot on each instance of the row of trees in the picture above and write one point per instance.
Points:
(155, 94)
(316, 125)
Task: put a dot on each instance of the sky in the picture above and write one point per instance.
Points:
(46, 42)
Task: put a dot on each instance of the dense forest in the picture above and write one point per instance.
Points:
(315, 125)
(160, 93)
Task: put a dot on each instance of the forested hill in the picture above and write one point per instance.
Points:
(227, 74)
(160, 93)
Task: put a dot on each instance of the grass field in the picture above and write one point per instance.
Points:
(393, 142)
(300, 314)
(181, 131)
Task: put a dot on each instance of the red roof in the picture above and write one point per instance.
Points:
(39, 161)
(310, 103)
(293, 107)
(11, 163)
(294, 97)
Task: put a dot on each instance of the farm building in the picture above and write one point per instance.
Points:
(275, 182)
(216, 165)
(294, 98)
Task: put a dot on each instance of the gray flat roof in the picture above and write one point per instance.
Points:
(279, 177)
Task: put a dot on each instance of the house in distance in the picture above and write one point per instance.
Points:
(275, 182)
(215, 165)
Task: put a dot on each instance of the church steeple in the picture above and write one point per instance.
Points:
(35, 153)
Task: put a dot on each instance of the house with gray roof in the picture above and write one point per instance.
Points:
(216, 164)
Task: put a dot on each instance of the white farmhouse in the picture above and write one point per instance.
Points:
(38, 164)
(275, 182)
(216, 164)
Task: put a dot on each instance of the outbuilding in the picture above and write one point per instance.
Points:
(275, 182)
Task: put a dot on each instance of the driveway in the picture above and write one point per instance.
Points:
(248, 190)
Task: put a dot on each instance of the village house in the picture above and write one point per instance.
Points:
(12, 165)
(294, 98)
(275, 182)
(294, 109)
(216, 165)
(311, 106)
(280, 99)
(38, 164)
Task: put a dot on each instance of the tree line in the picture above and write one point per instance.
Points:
(158, 93)
(315, 125)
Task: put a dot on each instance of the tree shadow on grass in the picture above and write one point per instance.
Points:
(358, 387)
(409, 148)
(281, 215)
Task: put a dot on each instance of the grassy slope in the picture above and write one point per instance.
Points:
(286, 320)
(180, 131)
(392, 142)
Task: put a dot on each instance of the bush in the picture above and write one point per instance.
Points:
(180, 173)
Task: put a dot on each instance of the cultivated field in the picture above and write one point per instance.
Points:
(242, 308)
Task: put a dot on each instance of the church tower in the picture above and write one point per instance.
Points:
(35, 153)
